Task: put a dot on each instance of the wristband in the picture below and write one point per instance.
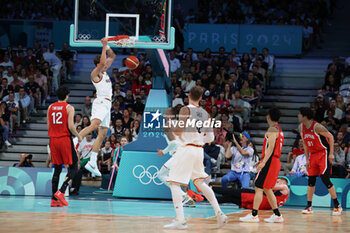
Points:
(108, 48)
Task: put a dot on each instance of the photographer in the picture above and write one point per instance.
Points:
(25, 161)
(241, 158)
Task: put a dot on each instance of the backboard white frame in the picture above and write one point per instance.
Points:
(75, 42)
(136, 16)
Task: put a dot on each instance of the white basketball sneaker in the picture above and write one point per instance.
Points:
(249, 218)
(307, 210)
(91, 167)
(176, 225)
(274, 218)
(337, 211)
(221, 219)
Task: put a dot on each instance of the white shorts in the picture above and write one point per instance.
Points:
(187, 165)
(101, 109)
(169, 163)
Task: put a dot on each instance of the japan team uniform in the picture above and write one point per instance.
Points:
(61, 144)
(318, 147)
(101, 107)
(188, 160)
(268, 175)
(247, 200)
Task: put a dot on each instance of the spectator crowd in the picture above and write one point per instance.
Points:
(29, 76)
(331, 108)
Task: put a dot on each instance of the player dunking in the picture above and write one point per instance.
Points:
(101, 106)
(319, 147)
(268, 170)
(60, 124)
(188, 159)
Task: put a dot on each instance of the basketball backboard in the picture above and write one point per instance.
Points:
(148, 22)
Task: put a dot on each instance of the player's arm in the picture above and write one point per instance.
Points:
(47, 118)
(272, 135)
(183, 116)
(320, 129)
(306, 151)
(100, 66)
(282, 188)
(71, 127)
(208, 136)
(110, 59)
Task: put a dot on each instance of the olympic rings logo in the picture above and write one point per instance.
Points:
(145, 175)
(84, 36)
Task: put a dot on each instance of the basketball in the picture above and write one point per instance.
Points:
(132, 62)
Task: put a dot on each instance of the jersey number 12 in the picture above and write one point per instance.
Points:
(56, 118)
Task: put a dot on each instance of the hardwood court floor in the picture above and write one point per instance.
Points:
(320, 222)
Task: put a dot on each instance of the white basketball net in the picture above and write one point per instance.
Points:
(128, 42)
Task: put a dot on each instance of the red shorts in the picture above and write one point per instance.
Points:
(318, 163)
(61, 150)
(267, 177)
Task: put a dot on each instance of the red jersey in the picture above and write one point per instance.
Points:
(278, 145)
(313, 141)
(247, 200)
(58, 120)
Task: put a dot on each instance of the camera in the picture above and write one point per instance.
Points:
(229, 136)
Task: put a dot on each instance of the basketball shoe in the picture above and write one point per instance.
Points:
(307, 210)
(195, 196)
(60, 198)
(337, 211)
(274, 218)
(56, 203)
(92, 168)
(176, 225)
(221, 219)
(249, 218)
(188, 201)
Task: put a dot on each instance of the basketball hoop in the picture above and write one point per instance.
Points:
(123, 41)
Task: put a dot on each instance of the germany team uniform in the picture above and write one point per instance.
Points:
(268, 175)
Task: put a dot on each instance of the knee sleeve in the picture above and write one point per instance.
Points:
(312, 181)
(326, 180)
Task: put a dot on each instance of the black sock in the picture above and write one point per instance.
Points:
(277, 212)
(336, 202)
(64, 187)
(254, 212)
(309, 203)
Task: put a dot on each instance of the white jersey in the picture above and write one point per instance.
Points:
(197, 135)
(104, 87)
